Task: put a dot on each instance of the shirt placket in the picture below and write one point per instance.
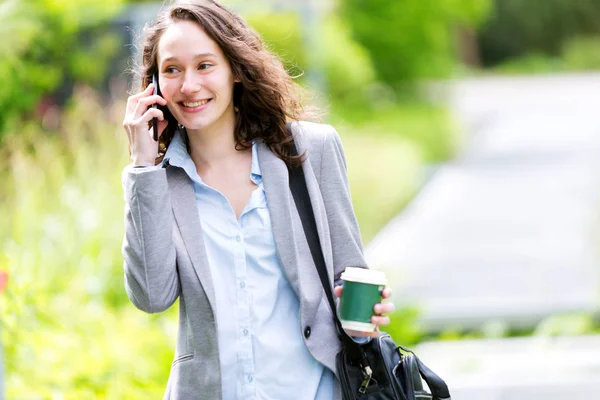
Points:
(244, 298)
(243, 304)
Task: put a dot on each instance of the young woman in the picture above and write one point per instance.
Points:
(210, 219)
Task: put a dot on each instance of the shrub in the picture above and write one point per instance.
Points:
(45, 51)
(68, 328)
(517, 28)
(412, 39)
(345, 64)
(582, 54)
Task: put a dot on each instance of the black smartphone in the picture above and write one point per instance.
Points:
(156, 91)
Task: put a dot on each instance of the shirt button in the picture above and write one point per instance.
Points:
(242, 284)
(250, 378)
(245, 331)
(307, 332)
(238, 238)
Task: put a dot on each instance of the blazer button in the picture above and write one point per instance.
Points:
(307, 332)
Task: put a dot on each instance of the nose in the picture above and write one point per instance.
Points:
(191, 83)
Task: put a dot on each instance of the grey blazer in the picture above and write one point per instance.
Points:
(165, 258)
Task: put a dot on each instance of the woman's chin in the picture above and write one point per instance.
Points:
(193, 123)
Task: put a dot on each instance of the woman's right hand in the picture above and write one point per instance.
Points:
(139, 113)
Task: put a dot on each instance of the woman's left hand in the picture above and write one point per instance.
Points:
(378, 319)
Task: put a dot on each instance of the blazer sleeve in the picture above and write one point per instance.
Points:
(346, 241)
(151, 278)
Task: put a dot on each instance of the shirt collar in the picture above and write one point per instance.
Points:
(255, 173)
(178, 156)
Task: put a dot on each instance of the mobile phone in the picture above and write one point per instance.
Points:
(156, 91)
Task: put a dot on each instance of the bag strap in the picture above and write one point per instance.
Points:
(297, 183)
(307, 217)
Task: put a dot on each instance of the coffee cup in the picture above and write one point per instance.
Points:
(362, 290)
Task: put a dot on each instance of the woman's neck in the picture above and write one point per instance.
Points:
(214, 148)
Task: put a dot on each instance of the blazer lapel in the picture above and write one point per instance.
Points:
(186, 214)
(281, 208)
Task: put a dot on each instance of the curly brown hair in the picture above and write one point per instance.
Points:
(267, 97)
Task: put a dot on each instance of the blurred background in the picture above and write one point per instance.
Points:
(473, 148)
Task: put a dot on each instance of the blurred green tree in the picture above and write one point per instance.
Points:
(346, 65)
(412, 39)
(42, 48)
(520, 27)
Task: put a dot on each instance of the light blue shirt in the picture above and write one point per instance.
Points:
(261, 348)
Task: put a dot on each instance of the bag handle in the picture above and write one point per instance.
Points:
(439, 388)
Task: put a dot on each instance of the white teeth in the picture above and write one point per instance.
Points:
(195, 104)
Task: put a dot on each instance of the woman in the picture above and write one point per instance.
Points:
(211, 220)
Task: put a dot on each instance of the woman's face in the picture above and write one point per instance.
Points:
(195, 78)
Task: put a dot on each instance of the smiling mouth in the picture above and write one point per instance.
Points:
(194, 104)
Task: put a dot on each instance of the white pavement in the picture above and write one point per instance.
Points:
(566, 368)
(508, 231)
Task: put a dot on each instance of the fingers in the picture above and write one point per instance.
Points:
(137, 107)
(337, 291)
(145, 102)
(142, 146)
(148, 115)
(384, 308)
(146, 97)
(162, 125)
(133, 99)
(148, 91)
(380, 320)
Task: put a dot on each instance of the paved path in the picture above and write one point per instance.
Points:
(509, 230)
(566, 368)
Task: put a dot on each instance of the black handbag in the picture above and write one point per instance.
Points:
(378, 369)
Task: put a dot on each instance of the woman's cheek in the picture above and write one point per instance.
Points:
(167, 88)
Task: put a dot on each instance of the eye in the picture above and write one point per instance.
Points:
(204, 66)
(171, 70)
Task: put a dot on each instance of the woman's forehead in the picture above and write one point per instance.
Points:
(186, 40)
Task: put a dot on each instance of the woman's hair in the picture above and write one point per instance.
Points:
(266, 96)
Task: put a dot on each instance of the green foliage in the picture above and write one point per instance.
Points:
(429, 128)
(387, 148)
(68, 328)
(578, 54)
(346, 64)
(564, 324)
(283, 38)
(382, 173)
(404, 327)
(520, 27)
(411, 39)
(572, 324)
(582, 53)
(534, 63)
(44, 49)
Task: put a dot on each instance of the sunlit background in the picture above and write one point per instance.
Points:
(473, 146)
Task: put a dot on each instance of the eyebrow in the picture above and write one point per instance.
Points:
(200, 55)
